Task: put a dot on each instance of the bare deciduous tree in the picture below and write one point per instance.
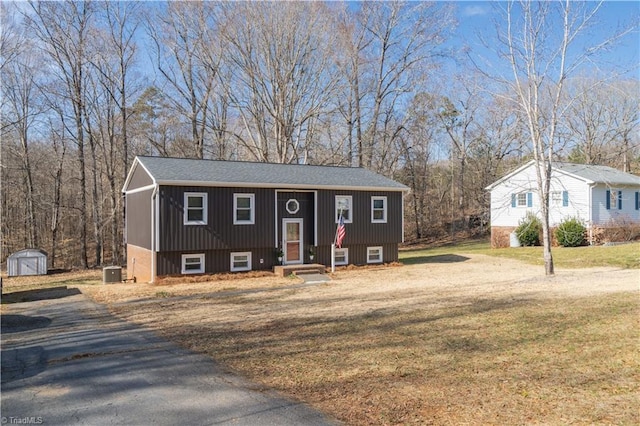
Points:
(601, 121)
(63, 29)
(183, 46)
(283, 78)
(542, 49)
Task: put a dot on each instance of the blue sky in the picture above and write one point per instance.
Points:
(479, 17)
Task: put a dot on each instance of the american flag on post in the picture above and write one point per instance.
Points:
(340, 232)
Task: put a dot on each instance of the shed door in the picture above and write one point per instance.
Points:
(27, 266)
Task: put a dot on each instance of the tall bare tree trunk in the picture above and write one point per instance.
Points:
(63, 28)
(541, 66)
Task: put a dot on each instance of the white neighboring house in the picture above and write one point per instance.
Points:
(602, 197)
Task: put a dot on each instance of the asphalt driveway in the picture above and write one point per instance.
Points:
(67, 361)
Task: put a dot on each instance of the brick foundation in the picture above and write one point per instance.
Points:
(500, 236)
(139, 263)
(602, 235)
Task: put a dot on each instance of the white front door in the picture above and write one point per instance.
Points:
(292, 241)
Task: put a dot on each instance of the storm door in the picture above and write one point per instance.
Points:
(292, 240)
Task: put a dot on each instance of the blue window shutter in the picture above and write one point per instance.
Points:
(619, 200)
(637, 200)
(529, 199)
(513, 200)
(565, 198)
(608, 200)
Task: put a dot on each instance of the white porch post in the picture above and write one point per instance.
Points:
(333, 258)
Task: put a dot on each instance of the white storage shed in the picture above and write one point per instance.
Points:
(27, 262)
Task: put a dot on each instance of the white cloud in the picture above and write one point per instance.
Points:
(475, 10)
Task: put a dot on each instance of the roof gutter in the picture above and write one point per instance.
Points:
(283, 186)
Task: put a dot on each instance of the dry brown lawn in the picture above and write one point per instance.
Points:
(470, 339)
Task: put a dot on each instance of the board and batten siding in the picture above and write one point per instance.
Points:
(306, 212)
(140, 178)
(358, 253)
(219, 233)
(361, 230)
(138, 221)
(216, 261)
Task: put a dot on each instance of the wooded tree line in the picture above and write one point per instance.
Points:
(86, 86)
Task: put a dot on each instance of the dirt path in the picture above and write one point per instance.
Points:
(456, 281)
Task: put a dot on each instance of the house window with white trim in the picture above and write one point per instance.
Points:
(341, 256)
(614, 199)
(243, 209)
(195, 208)
(522, 199)
(378, 209)
(193, 263)
(241, 261)
(343, 207)
(374, 254)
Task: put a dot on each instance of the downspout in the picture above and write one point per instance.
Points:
(153, 233)
(590, 213)
(404, 193)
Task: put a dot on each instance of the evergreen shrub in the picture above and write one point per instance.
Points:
(528, 230)
(570, 233)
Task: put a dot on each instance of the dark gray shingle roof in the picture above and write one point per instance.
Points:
(599, 174)
(181, 171)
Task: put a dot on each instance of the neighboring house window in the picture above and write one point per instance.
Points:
(560, 198)
(343, 206)
(341, 256)
(241, 261)
(614, 199)
(195, 208)
(379, 209)
(243, 209)
(374, 254)
(523, 199)
(193, 263)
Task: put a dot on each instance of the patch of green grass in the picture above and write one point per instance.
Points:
(624, 256)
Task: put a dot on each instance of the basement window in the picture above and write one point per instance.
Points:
(374, 254)
(193, 263)
(341, 256)
(241, 261)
